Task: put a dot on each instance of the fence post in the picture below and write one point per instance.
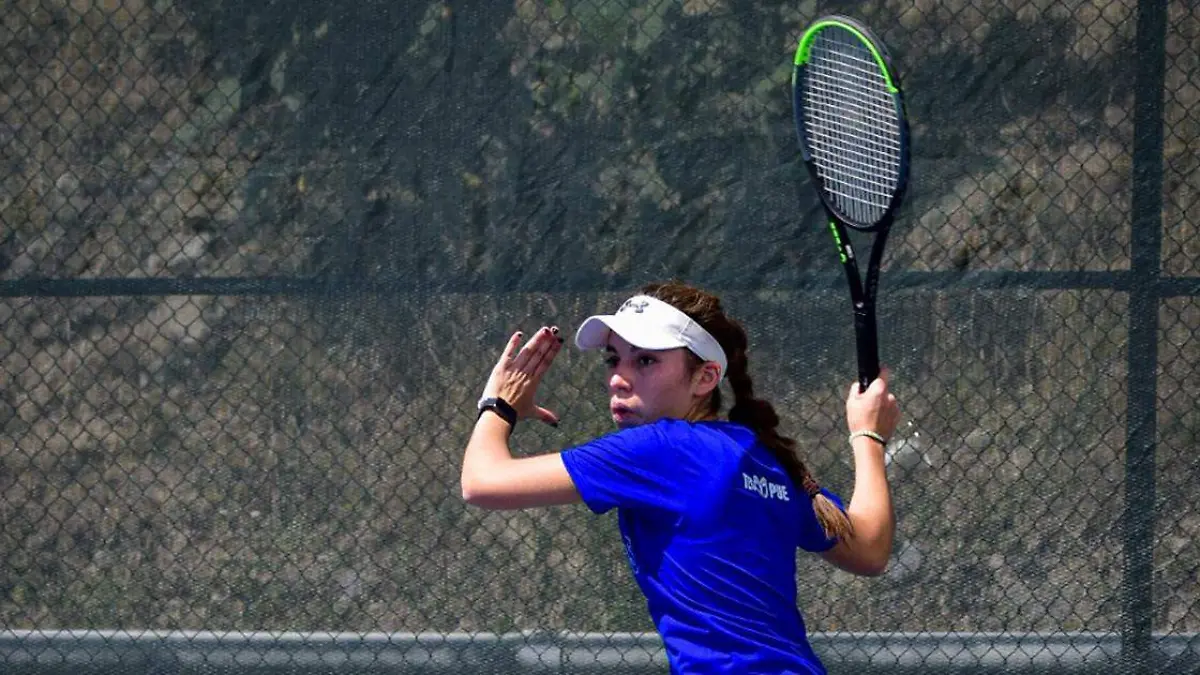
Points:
(1145, 252)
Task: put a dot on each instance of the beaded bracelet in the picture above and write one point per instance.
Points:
(869, 434)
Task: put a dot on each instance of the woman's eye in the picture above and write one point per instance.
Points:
(645, 360)
(611, 362)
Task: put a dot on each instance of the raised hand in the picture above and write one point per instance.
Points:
(516, 376)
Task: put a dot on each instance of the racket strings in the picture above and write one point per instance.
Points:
(852, 125)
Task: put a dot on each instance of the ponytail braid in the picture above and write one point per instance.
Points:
(760, 416)
(757, 414)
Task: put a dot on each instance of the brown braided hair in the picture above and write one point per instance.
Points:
(757, 414)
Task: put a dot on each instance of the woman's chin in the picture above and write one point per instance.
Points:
(625, 419)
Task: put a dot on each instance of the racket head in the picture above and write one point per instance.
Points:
(851, 122)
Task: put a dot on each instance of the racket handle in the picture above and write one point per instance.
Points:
(867, 341)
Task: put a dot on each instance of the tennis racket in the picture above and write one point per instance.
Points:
(853, 136)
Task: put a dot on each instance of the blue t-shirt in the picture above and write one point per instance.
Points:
(711, 523)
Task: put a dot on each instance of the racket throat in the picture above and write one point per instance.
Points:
(845, 252)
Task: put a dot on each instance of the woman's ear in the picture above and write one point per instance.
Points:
(708, 376)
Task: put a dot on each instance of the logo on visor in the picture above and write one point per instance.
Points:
(638, 306)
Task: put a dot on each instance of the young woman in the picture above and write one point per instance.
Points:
(711, 511)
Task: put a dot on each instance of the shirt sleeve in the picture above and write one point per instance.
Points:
(812, 536)
(639, 467)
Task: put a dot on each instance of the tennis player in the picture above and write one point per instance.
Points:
(711, 510)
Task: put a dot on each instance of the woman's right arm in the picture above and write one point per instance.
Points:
(872, 519)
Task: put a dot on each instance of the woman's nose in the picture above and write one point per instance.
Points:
(617, 382)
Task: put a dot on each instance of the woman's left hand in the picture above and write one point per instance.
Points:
(517, 374)
(875, 409)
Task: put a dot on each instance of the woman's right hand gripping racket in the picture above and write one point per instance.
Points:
(854, 139)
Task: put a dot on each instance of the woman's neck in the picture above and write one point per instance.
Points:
(701, 412)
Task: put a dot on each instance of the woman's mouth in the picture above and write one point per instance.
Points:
(621, 412)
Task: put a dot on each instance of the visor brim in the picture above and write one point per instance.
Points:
(594, 331)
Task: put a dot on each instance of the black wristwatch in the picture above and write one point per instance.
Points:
(500, 407)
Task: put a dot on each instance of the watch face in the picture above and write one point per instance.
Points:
(500, 407)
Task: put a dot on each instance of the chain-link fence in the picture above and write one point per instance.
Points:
(256, 259)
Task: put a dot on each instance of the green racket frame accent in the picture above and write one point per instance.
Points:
(810, 35)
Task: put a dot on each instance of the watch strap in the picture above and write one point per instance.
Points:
(500, 407)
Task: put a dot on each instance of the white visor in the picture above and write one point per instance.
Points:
(650, 323)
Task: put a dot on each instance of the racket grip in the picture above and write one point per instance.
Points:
(867, 342)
